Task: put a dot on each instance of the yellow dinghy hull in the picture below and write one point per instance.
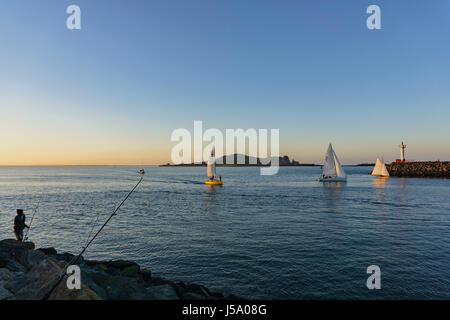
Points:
(214, 183)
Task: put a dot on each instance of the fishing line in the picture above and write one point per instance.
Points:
(31, 221)
(75, 259)
(93, 223)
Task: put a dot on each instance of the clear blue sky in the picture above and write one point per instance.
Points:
(113, 91)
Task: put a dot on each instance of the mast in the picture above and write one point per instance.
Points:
(211, 167)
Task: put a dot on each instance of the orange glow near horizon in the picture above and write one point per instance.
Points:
(47, 138)
(58, 152)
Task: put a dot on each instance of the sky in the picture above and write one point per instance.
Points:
(113, 92)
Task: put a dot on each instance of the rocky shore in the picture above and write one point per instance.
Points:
(29, 274)
(429, 169)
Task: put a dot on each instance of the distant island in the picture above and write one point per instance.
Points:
(249, 162)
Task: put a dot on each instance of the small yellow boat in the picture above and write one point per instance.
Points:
(211, 171)
(214, 182)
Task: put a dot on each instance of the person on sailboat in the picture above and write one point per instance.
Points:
(220, 177)
(332, 169)
(19, 224)
(211, 170)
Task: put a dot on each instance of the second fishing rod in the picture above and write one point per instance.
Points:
(75, 259)
(25, 238)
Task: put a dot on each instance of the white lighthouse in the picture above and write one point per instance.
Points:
(402, 147)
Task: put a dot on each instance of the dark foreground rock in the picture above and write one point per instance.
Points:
(428, 169)
(28, 274)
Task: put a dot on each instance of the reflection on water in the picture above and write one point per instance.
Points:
(211, 190)
(403, 182)
(380, 182)
(333, 192)
(334, 185)
(285, 236)
(404, 190)
(211, 195)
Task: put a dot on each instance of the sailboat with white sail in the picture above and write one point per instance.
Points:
(332, 170)
(211, 170)
(380, 169)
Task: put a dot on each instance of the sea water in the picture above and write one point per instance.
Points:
(265, 237)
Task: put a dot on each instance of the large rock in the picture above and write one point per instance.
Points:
(13, 255)
(38, 282)
(35, 257)
(28, 274)
(195, 296)
(122, 264)
(85, 293)
(96, 279)
(10, 264)
(5, 277)
(162, 292)
(194, 292)
(5, 294)
(146, 274)
(48, 251)
(27, 244)
(124, 288)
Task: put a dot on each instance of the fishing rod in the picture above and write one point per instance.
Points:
(31, 221)
(75, 260)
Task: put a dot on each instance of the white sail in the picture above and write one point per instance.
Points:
(329, 168)
(339, 169)
(332, 169)
(385, 172)
(377, 169)
(380, 169)
(211, 167)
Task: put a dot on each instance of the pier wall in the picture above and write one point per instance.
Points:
(431, 169)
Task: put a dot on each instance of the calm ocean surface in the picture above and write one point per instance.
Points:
(275, 237)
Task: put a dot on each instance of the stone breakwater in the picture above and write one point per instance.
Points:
(28, 274)
(430, 169)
